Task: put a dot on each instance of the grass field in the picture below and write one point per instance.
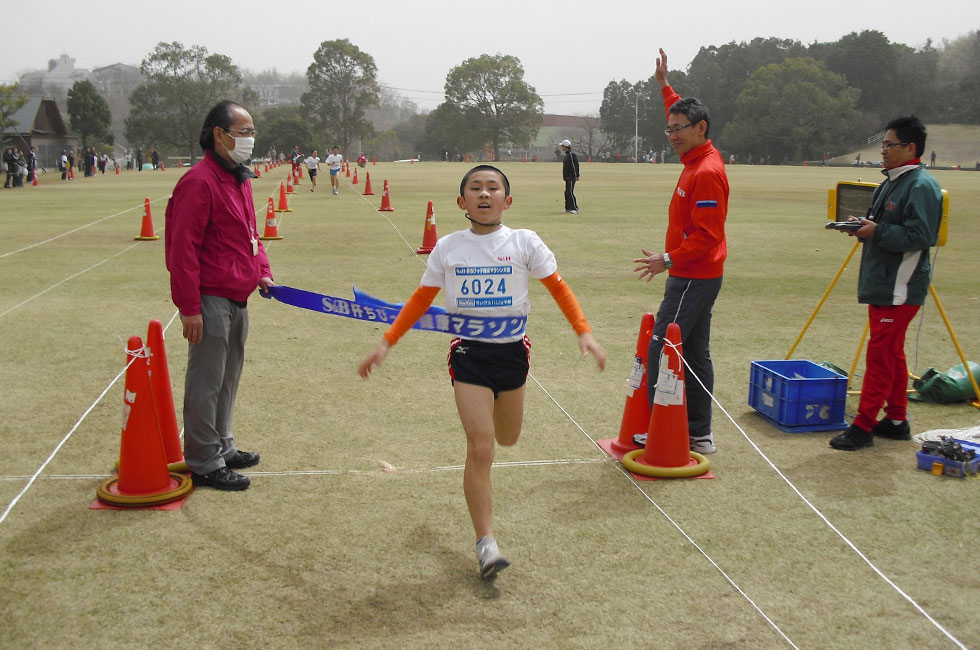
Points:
(355, 533)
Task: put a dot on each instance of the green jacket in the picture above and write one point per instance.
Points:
(895, 266)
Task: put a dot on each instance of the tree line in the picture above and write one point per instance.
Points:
(779, 99)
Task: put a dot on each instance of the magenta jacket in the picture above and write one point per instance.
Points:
(210, 227)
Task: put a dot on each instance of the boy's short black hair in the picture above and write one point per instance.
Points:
(910, 129)
(480, 168)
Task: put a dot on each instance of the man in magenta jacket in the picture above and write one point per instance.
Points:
(216, 261)
(694, 254)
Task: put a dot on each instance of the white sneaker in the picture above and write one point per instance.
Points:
(573, 212)
(336, 191)
(489, 558)
(703, 445)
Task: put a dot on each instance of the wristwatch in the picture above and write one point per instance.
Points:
(668, 263)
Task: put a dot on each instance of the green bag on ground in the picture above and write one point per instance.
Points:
(944, 388)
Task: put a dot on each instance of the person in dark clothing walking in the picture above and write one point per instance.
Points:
(569, 172)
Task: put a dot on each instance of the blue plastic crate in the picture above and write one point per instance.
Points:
(798, 395)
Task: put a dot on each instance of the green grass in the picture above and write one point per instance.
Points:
(327, 549)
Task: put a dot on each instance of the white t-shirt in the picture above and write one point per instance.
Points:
(334, 160)
(312, 162)
(487, 275)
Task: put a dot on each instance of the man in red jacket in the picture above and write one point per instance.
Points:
(694, 254)
(215, 261)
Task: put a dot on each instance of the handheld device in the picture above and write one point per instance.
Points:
(847, 226)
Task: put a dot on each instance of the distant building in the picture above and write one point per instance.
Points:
(56, 80)
(40, 124)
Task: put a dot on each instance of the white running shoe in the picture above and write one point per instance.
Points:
(703, 445)
(489, 558)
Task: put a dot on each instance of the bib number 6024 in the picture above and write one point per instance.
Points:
(482, 287)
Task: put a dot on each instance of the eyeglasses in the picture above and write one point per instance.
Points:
(670, 132)
(885, 146)
(248, 133)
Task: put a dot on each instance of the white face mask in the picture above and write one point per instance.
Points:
(242, 150)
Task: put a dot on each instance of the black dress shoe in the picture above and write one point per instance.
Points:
(242, 459)
(221, 479)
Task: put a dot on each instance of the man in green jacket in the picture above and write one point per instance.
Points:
(901, 226)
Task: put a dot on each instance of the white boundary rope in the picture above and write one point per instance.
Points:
(816, 511)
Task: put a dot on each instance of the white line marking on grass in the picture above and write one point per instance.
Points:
(64, 234)
(816, 511)
(70, 277)
(673, 523)
(380, 472)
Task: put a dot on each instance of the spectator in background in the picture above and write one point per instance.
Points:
(570, 174)
(139, 159)
(932, 159)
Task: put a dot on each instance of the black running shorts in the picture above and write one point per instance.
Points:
(497, 366)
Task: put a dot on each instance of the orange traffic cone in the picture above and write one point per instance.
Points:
(180, 163)
(636, 414)
(385, 200)
(429, 236)
(271, 226)
(367, 185)
(374, 161)
(667, 453)
(146, 233)
(296, 176)
(283, 206)
(354, 182)
(163, 397)
(257, 173)
(347, 167)
(143, 479)
(265, 168)
(117, 170)
(163, 165)
(34, 181)
(289, 184)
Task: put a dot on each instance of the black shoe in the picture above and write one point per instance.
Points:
(242, 459)
(888, 429)
(221, 479)
(853, 439)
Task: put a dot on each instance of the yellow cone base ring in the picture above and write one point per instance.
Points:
(264, 238)
(106, 495)
(630, 463)
(154, 238)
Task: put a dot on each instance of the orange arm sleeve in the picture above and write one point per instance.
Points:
(410, 313)
(563, 295)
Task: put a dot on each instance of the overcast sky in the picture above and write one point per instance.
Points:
(570, 50)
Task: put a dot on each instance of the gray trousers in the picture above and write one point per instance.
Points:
(214, 367)
(688, 303)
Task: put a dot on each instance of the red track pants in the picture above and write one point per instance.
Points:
(886, 376)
